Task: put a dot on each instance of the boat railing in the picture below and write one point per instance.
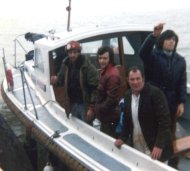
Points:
(17, 43)
(24, 80)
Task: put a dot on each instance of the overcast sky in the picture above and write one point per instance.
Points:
(88, 7)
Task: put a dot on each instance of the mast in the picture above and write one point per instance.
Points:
(69, 16)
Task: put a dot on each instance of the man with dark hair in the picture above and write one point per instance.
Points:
(108, 91)
(146, 120)
(80, 80)
(166, 69)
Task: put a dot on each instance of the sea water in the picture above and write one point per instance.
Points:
(11, 26)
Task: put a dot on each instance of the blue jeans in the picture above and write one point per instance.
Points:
(78, 110)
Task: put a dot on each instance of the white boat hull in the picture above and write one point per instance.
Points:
(78, 145)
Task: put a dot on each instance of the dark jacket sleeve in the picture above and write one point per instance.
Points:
(92, 82)
(182, 89)
(146, 53)
(162, 118)
(147, 47)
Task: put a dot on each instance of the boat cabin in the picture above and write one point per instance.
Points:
(124, 41)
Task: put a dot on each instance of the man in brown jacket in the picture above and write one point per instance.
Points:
(80, 79)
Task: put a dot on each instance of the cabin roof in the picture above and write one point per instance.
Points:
(62, 38)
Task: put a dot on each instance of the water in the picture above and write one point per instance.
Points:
(10, 27)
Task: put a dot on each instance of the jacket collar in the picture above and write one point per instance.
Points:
(106, 69)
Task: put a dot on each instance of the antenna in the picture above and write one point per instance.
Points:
(69, 16)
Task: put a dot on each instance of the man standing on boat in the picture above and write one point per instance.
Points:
(166, 69)
(108, 91)
(146, 120)
(80, 80)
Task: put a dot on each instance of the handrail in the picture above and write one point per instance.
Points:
(22, 77)
(15, 48)
(25, 81)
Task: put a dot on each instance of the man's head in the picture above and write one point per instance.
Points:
(73, 49)
(105, 56)
(168, 41)
(135, 78)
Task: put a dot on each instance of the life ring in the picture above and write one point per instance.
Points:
(10, 80)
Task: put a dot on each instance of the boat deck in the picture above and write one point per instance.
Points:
(45, 117)
(81, 145)
(99, 156)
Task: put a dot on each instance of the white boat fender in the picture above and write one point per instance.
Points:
(48, 167)
(96, 123)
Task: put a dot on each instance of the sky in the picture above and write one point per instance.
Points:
(87, 7)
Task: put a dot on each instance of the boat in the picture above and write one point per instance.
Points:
(28, 93)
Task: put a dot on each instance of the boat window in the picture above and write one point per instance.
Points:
(90, 49)
(38, 60)
(131, 43)
(56, 57)
(128, 49)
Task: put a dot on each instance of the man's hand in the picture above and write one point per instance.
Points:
(156, 153)
(118, 143)
(180, 110)
(90, 115)
(53, 80)
(158, 29)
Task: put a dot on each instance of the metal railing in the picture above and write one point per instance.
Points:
(17, 42)
(24, 81)
(24, 93)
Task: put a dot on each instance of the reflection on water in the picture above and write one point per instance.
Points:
(13, 122)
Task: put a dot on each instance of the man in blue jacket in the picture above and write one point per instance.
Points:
(166, 69)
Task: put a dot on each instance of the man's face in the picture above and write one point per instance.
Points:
(136, 81)
(103, 60)
(73, 54)
(169, 44)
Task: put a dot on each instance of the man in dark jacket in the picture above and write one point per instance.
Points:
(166, 69)
(80, 80)
(108, 91)
(146, 123)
